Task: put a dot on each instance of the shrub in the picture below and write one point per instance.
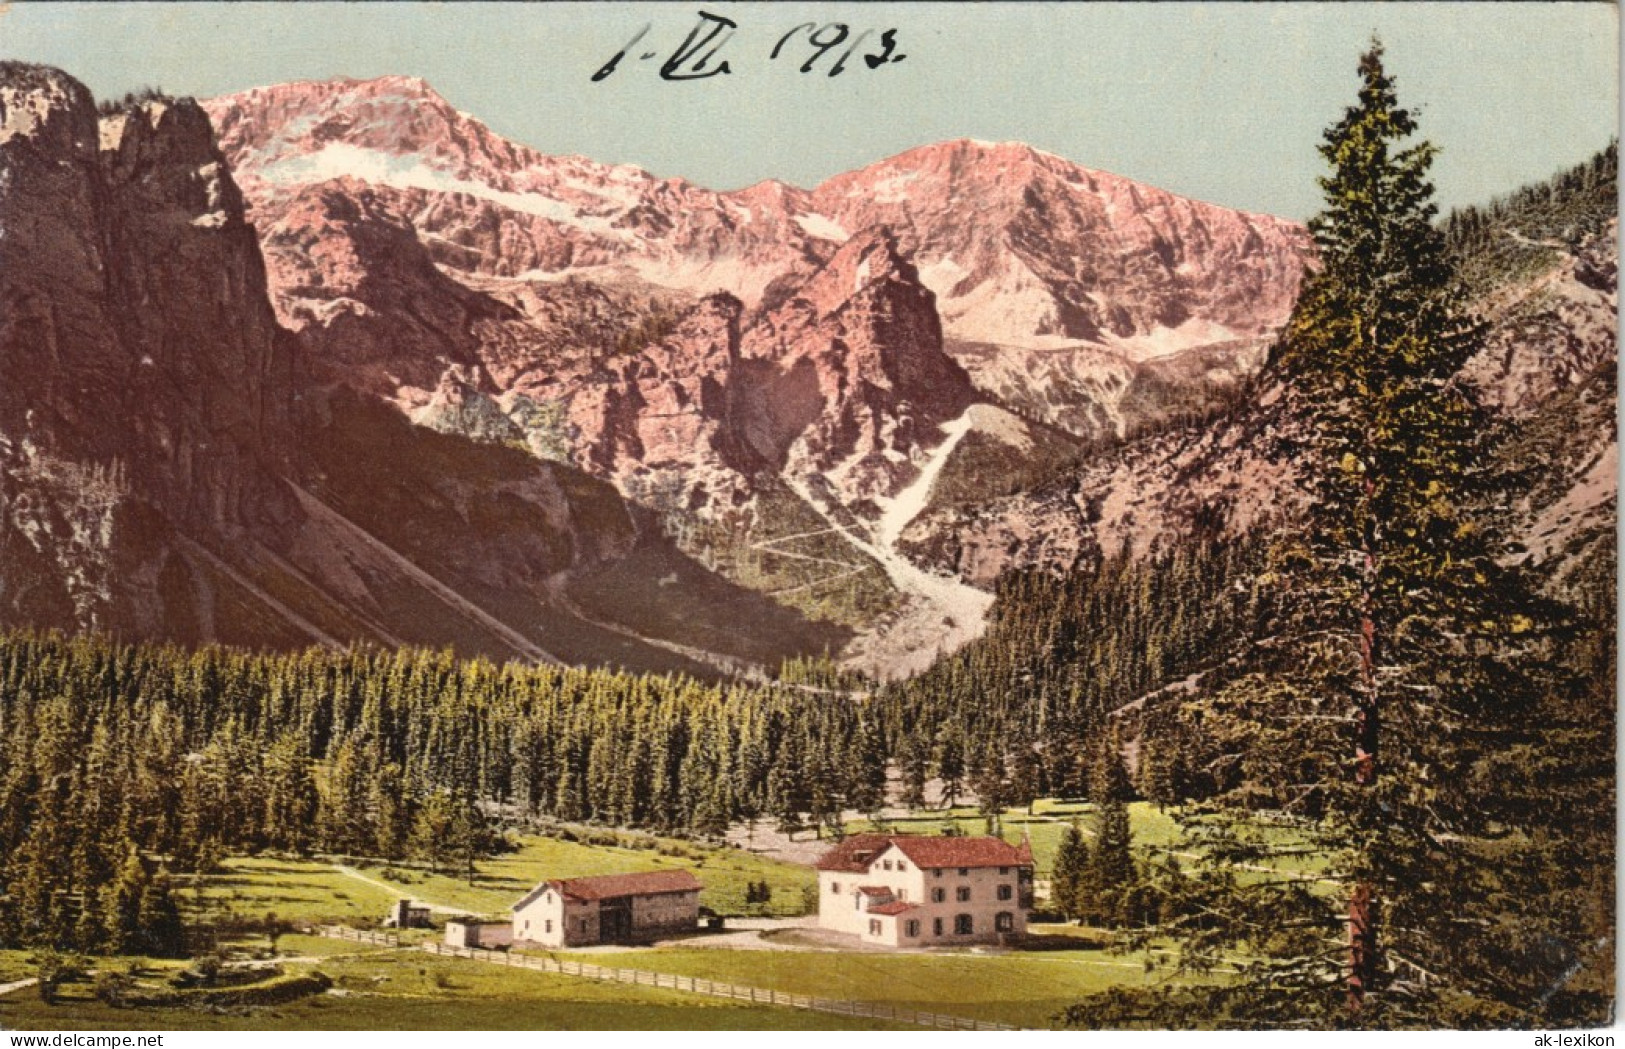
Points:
(113, 987)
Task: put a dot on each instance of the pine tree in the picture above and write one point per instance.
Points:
(162, 932)
(1404, 613)
(1066, 875)
(1401, 659)
(122, 905)
(1107, 878)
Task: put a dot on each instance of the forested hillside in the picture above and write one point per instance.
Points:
(122, 764)
(1526, 230)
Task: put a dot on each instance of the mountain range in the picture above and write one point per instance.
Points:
(333, 362)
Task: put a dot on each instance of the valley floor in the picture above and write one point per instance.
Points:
(405, 988)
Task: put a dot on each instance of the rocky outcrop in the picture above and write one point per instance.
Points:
(148, 384)
(1025, 248)
(1545, 373)
(356, 283)
(848, 382)
(134, 288)
(494, 208)
(1552, 331)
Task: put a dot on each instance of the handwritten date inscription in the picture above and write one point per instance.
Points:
(697, 57)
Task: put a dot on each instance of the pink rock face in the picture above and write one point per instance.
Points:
(1022, 248)
(851, 381)
(491, 207)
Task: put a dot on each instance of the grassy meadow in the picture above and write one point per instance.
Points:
(387, 990)
(1025, 988)
(382, 988)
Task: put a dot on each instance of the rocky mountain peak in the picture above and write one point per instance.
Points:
(865, 263)
(45, 109)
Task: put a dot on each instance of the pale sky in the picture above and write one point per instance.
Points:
(1218, 101)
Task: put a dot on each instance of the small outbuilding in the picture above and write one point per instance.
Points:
(404, 914)
(615, 908)
(485, 933)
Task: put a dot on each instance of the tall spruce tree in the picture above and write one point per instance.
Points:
(1401, 662)
(1402, 616)
(1066, 876)
(1108, 877)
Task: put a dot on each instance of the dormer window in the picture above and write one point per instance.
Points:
(886, 864)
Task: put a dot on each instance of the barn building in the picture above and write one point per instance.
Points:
(615, 908)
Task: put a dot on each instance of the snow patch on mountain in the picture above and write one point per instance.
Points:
(942, 275)
(1163, 341)
(822, 227)
(909, 503)
(341, 159)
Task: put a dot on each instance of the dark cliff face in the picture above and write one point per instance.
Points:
(148, 390)
(137, 326)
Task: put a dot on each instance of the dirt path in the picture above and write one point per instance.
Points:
(16, 985)
(437, 908)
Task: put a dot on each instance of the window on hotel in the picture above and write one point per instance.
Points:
(912, 928)
(938, 895)
(1004, 870)
(963, 926)
(963, 894)
(1004, 892)
(936, 927)
(886, 864)
(963, 871)
(874, 926)
(1004, 921)
(937, 872)
(547, 926)
(835, 888)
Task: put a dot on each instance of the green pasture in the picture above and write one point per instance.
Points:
(1025, 988)
(406, 990)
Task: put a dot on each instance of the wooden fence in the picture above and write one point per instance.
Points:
(698, 985)
(344, 932)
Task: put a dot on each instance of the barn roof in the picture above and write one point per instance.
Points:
(608, 886)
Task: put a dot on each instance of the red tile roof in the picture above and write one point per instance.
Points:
(874, 890)
(961, 852)
(855, 853)
(603, 887)
(896, 907)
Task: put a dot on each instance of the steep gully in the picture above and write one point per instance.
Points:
(943, 613)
